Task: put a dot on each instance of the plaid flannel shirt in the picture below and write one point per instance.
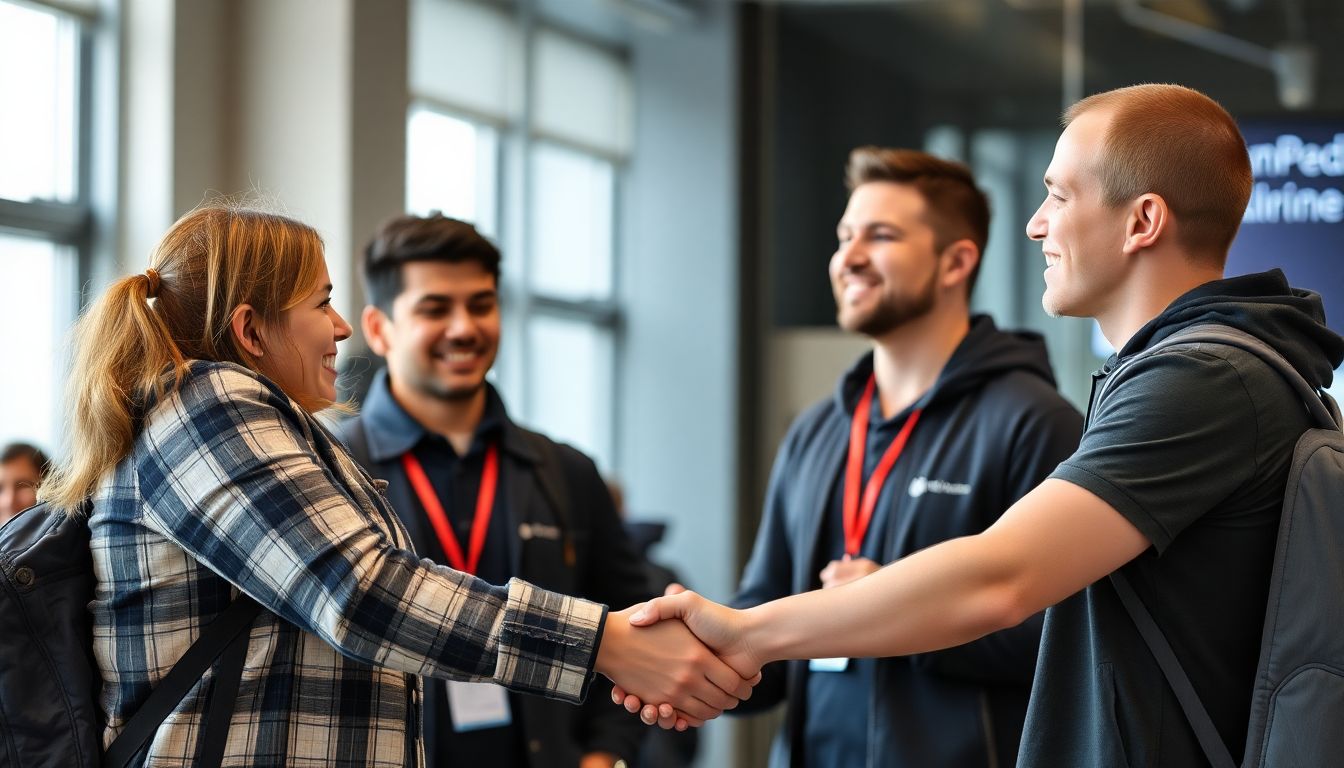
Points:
(231, 486)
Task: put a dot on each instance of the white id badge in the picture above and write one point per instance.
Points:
(837, 664)
(478, 705)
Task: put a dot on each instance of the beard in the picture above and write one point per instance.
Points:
(441, 391)
(892, 310)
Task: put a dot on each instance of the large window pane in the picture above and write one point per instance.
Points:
(570, 383)
(451, 167)
(39, 305)
(583, 94)
(571, 228)
(38, 57)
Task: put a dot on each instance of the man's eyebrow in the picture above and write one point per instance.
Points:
(442, 298)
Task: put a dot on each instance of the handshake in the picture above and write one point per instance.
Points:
(679, 673)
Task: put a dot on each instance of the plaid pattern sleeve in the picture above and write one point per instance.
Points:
(231, 486)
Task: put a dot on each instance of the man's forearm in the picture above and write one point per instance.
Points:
(937, 598)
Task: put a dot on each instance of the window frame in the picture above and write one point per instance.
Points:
(73, 224)
(517, 136)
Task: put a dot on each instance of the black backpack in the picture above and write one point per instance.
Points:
(1297, 705)
(49, 715)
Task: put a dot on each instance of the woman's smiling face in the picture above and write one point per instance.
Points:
(301, 352)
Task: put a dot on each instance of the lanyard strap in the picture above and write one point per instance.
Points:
(856, 516)
(485, 505)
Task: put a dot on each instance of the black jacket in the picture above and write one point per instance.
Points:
(574, 544)
(993, 427)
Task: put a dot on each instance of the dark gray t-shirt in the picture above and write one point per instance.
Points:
(1192, 445)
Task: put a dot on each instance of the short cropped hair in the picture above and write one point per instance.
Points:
(29, 453)
(958, 209)
(404, 239)
(1178, 143)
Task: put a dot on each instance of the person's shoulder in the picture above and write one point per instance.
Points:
(823, 413)
(1182, 385)
(213, 380)
(1024, 396)
(215, 392)
(570, 459)
(345, 429)
(1189, 369)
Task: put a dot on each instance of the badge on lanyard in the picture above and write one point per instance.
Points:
(837, 664)
(475, 706)
(857, 512)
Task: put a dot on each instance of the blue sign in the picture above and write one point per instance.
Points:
(1295, 220)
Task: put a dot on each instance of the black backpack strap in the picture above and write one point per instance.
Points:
(1198, 717)
(225, 635)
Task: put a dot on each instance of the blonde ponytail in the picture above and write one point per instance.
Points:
(129, 353)
(123, 355)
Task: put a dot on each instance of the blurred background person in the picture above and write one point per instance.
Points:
(22, 467)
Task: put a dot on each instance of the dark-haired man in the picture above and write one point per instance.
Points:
(480, 493)
(931, 436)
(22, 467)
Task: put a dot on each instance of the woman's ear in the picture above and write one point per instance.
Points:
(244, 323)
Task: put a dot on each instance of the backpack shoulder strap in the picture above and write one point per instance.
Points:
(1195, 713)
(225, 635)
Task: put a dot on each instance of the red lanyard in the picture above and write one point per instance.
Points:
(485, 504)
(856, 517)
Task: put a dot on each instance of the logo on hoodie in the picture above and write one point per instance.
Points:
(922, 485)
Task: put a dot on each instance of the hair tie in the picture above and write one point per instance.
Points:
(153, 276)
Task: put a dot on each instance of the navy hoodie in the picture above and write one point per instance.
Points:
(1192, 446)
(993, 427)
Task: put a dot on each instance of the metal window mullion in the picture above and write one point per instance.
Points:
(605, 314)
(64, 223)
(527, 22)
(617, 327)
(454, 110)
(84, 108)
(75, 10)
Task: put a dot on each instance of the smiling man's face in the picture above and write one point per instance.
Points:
(443, 334)
(1080, 235)
(885, 267)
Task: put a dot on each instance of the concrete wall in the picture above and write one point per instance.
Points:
(678, 447)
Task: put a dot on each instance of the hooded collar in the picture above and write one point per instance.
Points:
(984, 353)
(1291, 320)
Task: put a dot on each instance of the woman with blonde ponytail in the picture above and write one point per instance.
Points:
(195, 450)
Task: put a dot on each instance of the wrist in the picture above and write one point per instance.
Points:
(609, 644)
(763, 646)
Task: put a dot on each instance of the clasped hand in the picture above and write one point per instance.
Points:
(718, 628)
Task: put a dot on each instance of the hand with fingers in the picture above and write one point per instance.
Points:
(840, 572)
(664, 662)
(718, 627)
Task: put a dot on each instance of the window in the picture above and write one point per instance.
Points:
(454, 168)
(570, 223)
(536, 165)
(44, 212)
